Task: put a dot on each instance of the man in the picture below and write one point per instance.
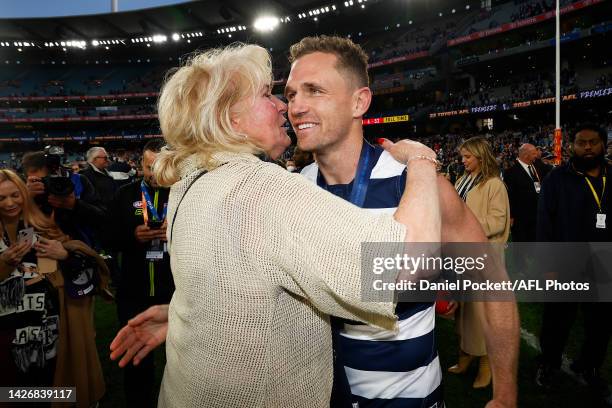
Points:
(120, 170)
(74, 202)
(524, 183)
(327, 91)
(575, 206)
(542, 167)
(103, 182)
(139, 227)
(455, 169)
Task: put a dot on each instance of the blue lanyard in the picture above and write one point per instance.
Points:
(362, 177)
(150, 206)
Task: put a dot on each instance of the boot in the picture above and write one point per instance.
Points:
(463, 364)
(483, 379)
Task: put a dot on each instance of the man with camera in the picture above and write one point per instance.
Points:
(139, 219)
(70, 197)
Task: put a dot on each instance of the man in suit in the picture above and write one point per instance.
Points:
(523, 181)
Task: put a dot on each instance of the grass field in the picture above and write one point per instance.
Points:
(458, 389)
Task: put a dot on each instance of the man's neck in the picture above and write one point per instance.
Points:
(594, 172)
(103, 171)
(339, 163)
(524, 162)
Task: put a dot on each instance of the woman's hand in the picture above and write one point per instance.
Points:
(13, 255)
(405, 150)
(50, 248)
(142, 334)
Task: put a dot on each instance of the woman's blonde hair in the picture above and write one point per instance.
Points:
(198, 100)
(480, 148)
(30, 211)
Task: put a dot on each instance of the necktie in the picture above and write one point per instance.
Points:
(532, 172)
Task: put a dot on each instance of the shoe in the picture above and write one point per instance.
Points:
(463, 363)
(483, 379)
(544, 375)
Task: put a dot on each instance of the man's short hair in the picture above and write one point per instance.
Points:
(33, 161)
(154, 145)
(592, 127)
(351, 57)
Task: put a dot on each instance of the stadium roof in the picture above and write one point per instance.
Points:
(204, 15)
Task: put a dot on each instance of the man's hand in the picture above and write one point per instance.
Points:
(145, 234)
(68, 202)
(35, 186)
(142, 334)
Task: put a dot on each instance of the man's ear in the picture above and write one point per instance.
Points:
(362, 98)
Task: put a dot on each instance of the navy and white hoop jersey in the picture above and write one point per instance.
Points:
(383, 368)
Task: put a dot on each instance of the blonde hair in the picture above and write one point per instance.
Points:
(198, 100)
(481, 149)
(30, 211)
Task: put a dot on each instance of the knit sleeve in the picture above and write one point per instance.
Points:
(315, 237)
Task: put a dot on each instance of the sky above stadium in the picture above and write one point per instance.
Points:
(57, 8)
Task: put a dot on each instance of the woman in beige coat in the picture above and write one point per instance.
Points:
(485, 194)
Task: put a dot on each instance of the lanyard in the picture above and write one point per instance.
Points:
(362, 177)
(151, 206)
(598, 199)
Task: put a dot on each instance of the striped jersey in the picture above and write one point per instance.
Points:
(374, 367)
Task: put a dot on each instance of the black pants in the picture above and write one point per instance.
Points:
(557, 322)
(138, 381)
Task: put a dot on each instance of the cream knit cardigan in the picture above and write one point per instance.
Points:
(261, 258)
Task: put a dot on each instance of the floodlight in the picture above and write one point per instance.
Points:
(266, 23)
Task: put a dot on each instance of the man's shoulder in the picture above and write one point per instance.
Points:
(86, 172)
(516, 167)
(129, 189)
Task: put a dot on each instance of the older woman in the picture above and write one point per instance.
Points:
(260, 257)
(485, 194)
(46, 322)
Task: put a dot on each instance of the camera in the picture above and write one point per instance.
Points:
(58, 181)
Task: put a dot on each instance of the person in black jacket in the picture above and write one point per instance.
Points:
(523, 182)
(100, 178)
(575, 206)
(120, 170)
(78, 212)
(138, 214)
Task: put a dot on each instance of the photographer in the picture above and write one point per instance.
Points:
(139, 233)
(69, 198)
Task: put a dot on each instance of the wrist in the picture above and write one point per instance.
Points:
(424, 158)
(64, 255)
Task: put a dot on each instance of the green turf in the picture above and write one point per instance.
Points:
(107, 326)
(458, 388)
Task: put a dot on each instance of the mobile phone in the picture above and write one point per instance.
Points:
(154, 224)
(26, 235)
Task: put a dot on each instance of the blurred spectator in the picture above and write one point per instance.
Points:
(98, 175)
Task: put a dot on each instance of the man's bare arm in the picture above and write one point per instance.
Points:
(501, 321)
